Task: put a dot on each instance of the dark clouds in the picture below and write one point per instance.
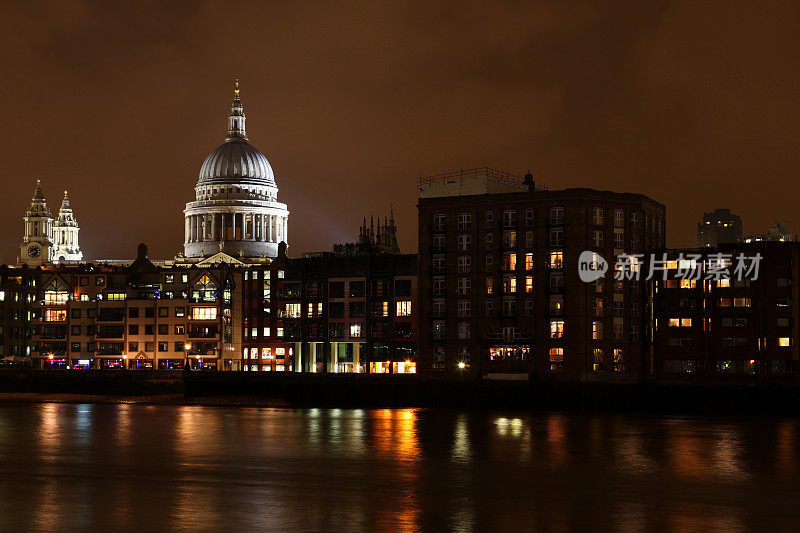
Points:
(692, 103)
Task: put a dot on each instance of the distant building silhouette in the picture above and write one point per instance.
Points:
(372, 240)
(719, 227)
(778, 231)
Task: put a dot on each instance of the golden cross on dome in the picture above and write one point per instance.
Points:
(65, 193)
(236, 89)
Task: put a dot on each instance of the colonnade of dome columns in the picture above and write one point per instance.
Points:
(219, 227)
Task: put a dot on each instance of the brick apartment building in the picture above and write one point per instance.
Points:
(727, 328)
(498, 278)
(17, 292)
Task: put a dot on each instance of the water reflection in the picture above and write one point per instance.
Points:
(103, 467)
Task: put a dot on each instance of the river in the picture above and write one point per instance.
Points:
(145, 467)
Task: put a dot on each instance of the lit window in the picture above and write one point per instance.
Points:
(205, 290)
(55, 297)
(556, 357)
(528, 261)
(489, 285)
(509, 284)
(529, 284)
(556, 329)
(404, 308)
(355, 330)
(55, 315)
(204, 313)
(597, 330)
(784, 341)
(293, 310)
(556, 259)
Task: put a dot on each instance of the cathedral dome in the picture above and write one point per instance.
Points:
(236, 162)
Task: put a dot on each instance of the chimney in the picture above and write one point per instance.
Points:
(529, 181)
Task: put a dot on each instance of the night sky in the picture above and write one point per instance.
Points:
(695, 104)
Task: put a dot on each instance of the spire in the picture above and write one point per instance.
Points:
(65, 215)
(236, 128)
(37, 192)
(38, 204)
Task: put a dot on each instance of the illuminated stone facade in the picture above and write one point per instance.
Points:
(236, 209)
(46, 240)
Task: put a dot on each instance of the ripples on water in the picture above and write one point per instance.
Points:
(112, 467)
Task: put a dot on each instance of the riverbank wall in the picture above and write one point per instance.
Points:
(411, 391)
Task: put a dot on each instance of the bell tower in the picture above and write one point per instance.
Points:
(37, 242)
(65, 234)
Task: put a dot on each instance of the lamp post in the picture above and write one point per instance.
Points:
(186, 348)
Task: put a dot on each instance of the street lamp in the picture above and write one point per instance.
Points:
(461, 365)
(186, 347)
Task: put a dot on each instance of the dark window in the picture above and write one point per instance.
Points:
(402, 329)
(133, 329)
(163, 329)
(178, 346)
(356, 309)
(110, 348)
(163, 312)
(110, 332)
(402, 287)
(133, 346)
(163, 346)
(336, 331)
(149, 312)
(148, 346)
(336, 289)
(75, 313)
(357, 289)
(148, 329)
(111, 314)
(75, 330)
(336, 310)
(133, 312)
